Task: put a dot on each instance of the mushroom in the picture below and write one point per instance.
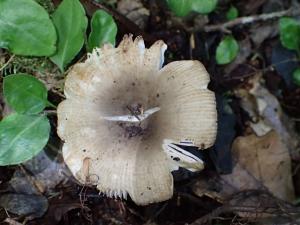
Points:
(124, 117)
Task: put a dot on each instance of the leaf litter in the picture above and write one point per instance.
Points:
(259, 132)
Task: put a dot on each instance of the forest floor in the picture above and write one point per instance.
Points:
(252, 174)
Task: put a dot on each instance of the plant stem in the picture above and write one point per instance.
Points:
(51, 105)
(8, 62)
(50, 112)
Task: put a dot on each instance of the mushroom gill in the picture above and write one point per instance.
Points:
(121, 106)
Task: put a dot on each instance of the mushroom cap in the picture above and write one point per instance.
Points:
(120, 107)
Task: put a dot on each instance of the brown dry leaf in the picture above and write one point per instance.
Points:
(261, 163)
(135, 11)
(267, 160)
(266, 113)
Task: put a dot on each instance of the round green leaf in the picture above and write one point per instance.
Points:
(296, 76)
(26, 29)
(22, 137)
(184, 7)
(289, 30)
(103, 30)
(232, 13)
(227, 50)
(180, 7)
(25, 93)
(204, 6)
(71, 23)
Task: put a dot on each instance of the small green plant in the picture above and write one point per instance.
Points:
(71, 23)
(232, 13)
(24, 133)
(227, 50)
(25, 94)
(29, 31)
(289, 30)
(103, 30)
(184, 7)
(296, 76)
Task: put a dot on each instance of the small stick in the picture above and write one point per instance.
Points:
(8, 62)
(224, 27)
(37, 184)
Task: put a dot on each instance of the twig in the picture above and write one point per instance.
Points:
(50, 112)
(8, 62)
(38, 185)
(239, 203)
(224, 27)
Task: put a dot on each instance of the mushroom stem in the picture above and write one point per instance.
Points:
(133, 118)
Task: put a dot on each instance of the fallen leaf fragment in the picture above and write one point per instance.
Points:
(260, 163)
(32, 206)
(267, 159)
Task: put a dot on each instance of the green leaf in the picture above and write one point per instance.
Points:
(232, 13)
(296, 76)
(289, 30)
(26, 29)
(180, 7)
(184, 7)
(22, 137)
(71, 23)
(103, 30)
(227, 50)
(24, 93)
(204, 6)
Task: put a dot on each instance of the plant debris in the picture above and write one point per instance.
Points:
(250, 175)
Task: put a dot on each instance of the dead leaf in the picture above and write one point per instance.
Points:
(12, 221)
(135, 11)
(267, 160)
(261, 163)
(33, 206)
(265, 112)
(261, 32)
(42, 173)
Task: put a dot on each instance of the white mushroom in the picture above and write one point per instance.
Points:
(122, 113)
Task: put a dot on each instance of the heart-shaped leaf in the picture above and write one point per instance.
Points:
(22, 137)
(71, 23)
(25, 93)
(26, 29)
(103, 30)
(289, 30)
(227, 50)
